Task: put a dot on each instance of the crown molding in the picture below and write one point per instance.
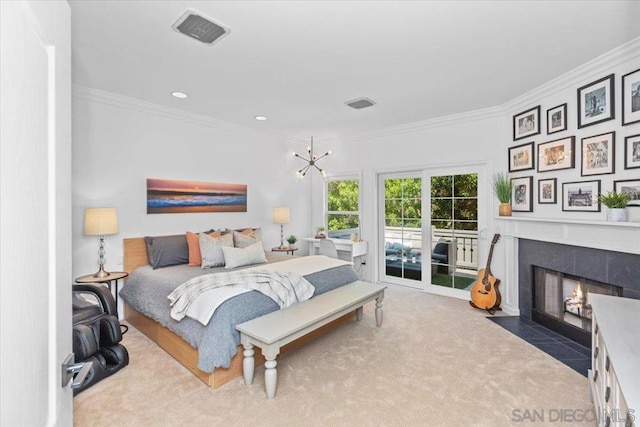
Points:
(137, 105)
(580, 75)
(145, 107)
(574, 78)
(437, 122)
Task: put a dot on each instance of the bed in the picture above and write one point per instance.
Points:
(210, 352)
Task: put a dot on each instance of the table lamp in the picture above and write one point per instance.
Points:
(100, 222)
(281, 216)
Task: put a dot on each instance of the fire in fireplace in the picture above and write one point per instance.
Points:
(561, 302)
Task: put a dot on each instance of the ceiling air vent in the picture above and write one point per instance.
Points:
(200, 28)
(360, 103)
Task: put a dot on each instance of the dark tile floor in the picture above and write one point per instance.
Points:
(563, 349)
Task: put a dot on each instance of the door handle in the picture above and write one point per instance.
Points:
(70, 369)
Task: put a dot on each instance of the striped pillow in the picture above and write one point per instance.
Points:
(211, 249)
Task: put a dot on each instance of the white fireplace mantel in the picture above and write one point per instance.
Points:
(605, 235)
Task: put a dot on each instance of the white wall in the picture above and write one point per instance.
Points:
(136, 141)
(619, 61)
(119, 142)
(484, 136)
(35, 200)
(475, 138)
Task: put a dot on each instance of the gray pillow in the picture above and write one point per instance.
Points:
(238, 257)
(211, 249)
(242, 239)
(163, 251)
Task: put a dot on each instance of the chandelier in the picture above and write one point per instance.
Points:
(311, 161)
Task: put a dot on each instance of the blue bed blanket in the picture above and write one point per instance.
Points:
(146, 291)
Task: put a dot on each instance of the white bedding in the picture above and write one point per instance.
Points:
(303, 265)
(203, 307)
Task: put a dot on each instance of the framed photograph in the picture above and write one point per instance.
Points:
(631, 97)
(172, 196)
(598, 154)
(557, 119)
(521, 157)
(632, 152)
(596, 102)
(547, 191)
(581, 196)
(631, 187)
(555, 155)
(521, 194)
(526, 123)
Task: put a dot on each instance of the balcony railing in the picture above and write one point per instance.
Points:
(466, 242)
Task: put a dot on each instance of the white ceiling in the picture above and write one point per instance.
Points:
(297, 62)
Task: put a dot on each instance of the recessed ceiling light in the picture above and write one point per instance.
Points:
(261, 118)
(180, 95)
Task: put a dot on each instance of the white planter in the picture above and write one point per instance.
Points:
(617, 214)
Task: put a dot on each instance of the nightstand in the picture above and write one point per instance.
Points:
(112, 277)
(291, 249)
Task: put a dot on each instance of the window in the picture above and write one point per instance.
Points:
(343, 208)
(428, 228)
(403, 227)
(454, 229)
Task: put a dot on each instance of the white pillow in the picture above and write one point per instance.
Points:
(237, 257)
(244, 238)
(211, 249)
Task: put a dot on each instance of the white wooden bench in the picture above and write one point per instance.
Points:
(274, 330)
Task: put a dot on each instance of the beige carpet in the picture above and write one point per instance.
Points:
(435, 361)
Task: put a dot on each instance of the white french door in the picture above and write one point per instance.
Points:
(429, 222)
(401, 243)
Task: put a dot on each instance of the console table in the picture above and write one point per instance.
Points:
(615, 359)
(348, 249)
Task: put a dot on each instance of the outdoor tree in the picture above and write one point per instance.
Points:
(453, 202)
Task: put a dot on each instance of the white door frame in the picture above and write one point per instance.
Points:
(35, 212)
(481, 168)
(426, 267)
(483, 183)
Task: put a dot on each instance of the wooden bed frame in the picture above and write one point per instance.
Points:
(135, 255)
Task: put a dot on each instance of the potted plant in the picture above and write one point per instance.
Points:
(502, 188)
(617, 204)
(320, 232)
(292, 240)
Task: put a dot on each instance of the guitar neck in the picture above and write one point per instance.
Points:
(488, 267)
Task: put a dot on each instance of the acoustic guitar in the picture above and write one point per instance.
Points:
(485, 294)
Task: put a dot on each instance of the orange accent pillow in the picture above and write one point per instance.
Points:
(193, 242)
(195, 258)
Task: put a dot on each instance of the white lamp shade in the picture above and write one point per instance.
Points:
(281, 215)
(100, 221)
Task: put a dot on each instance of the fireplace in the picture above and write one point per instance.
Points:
(557, 307)
(561, 302)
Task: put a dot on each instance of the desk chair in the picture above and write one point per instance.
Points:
(328, 248)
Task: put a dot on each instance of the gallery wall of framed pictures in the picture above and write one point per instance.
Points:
(574, 152)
